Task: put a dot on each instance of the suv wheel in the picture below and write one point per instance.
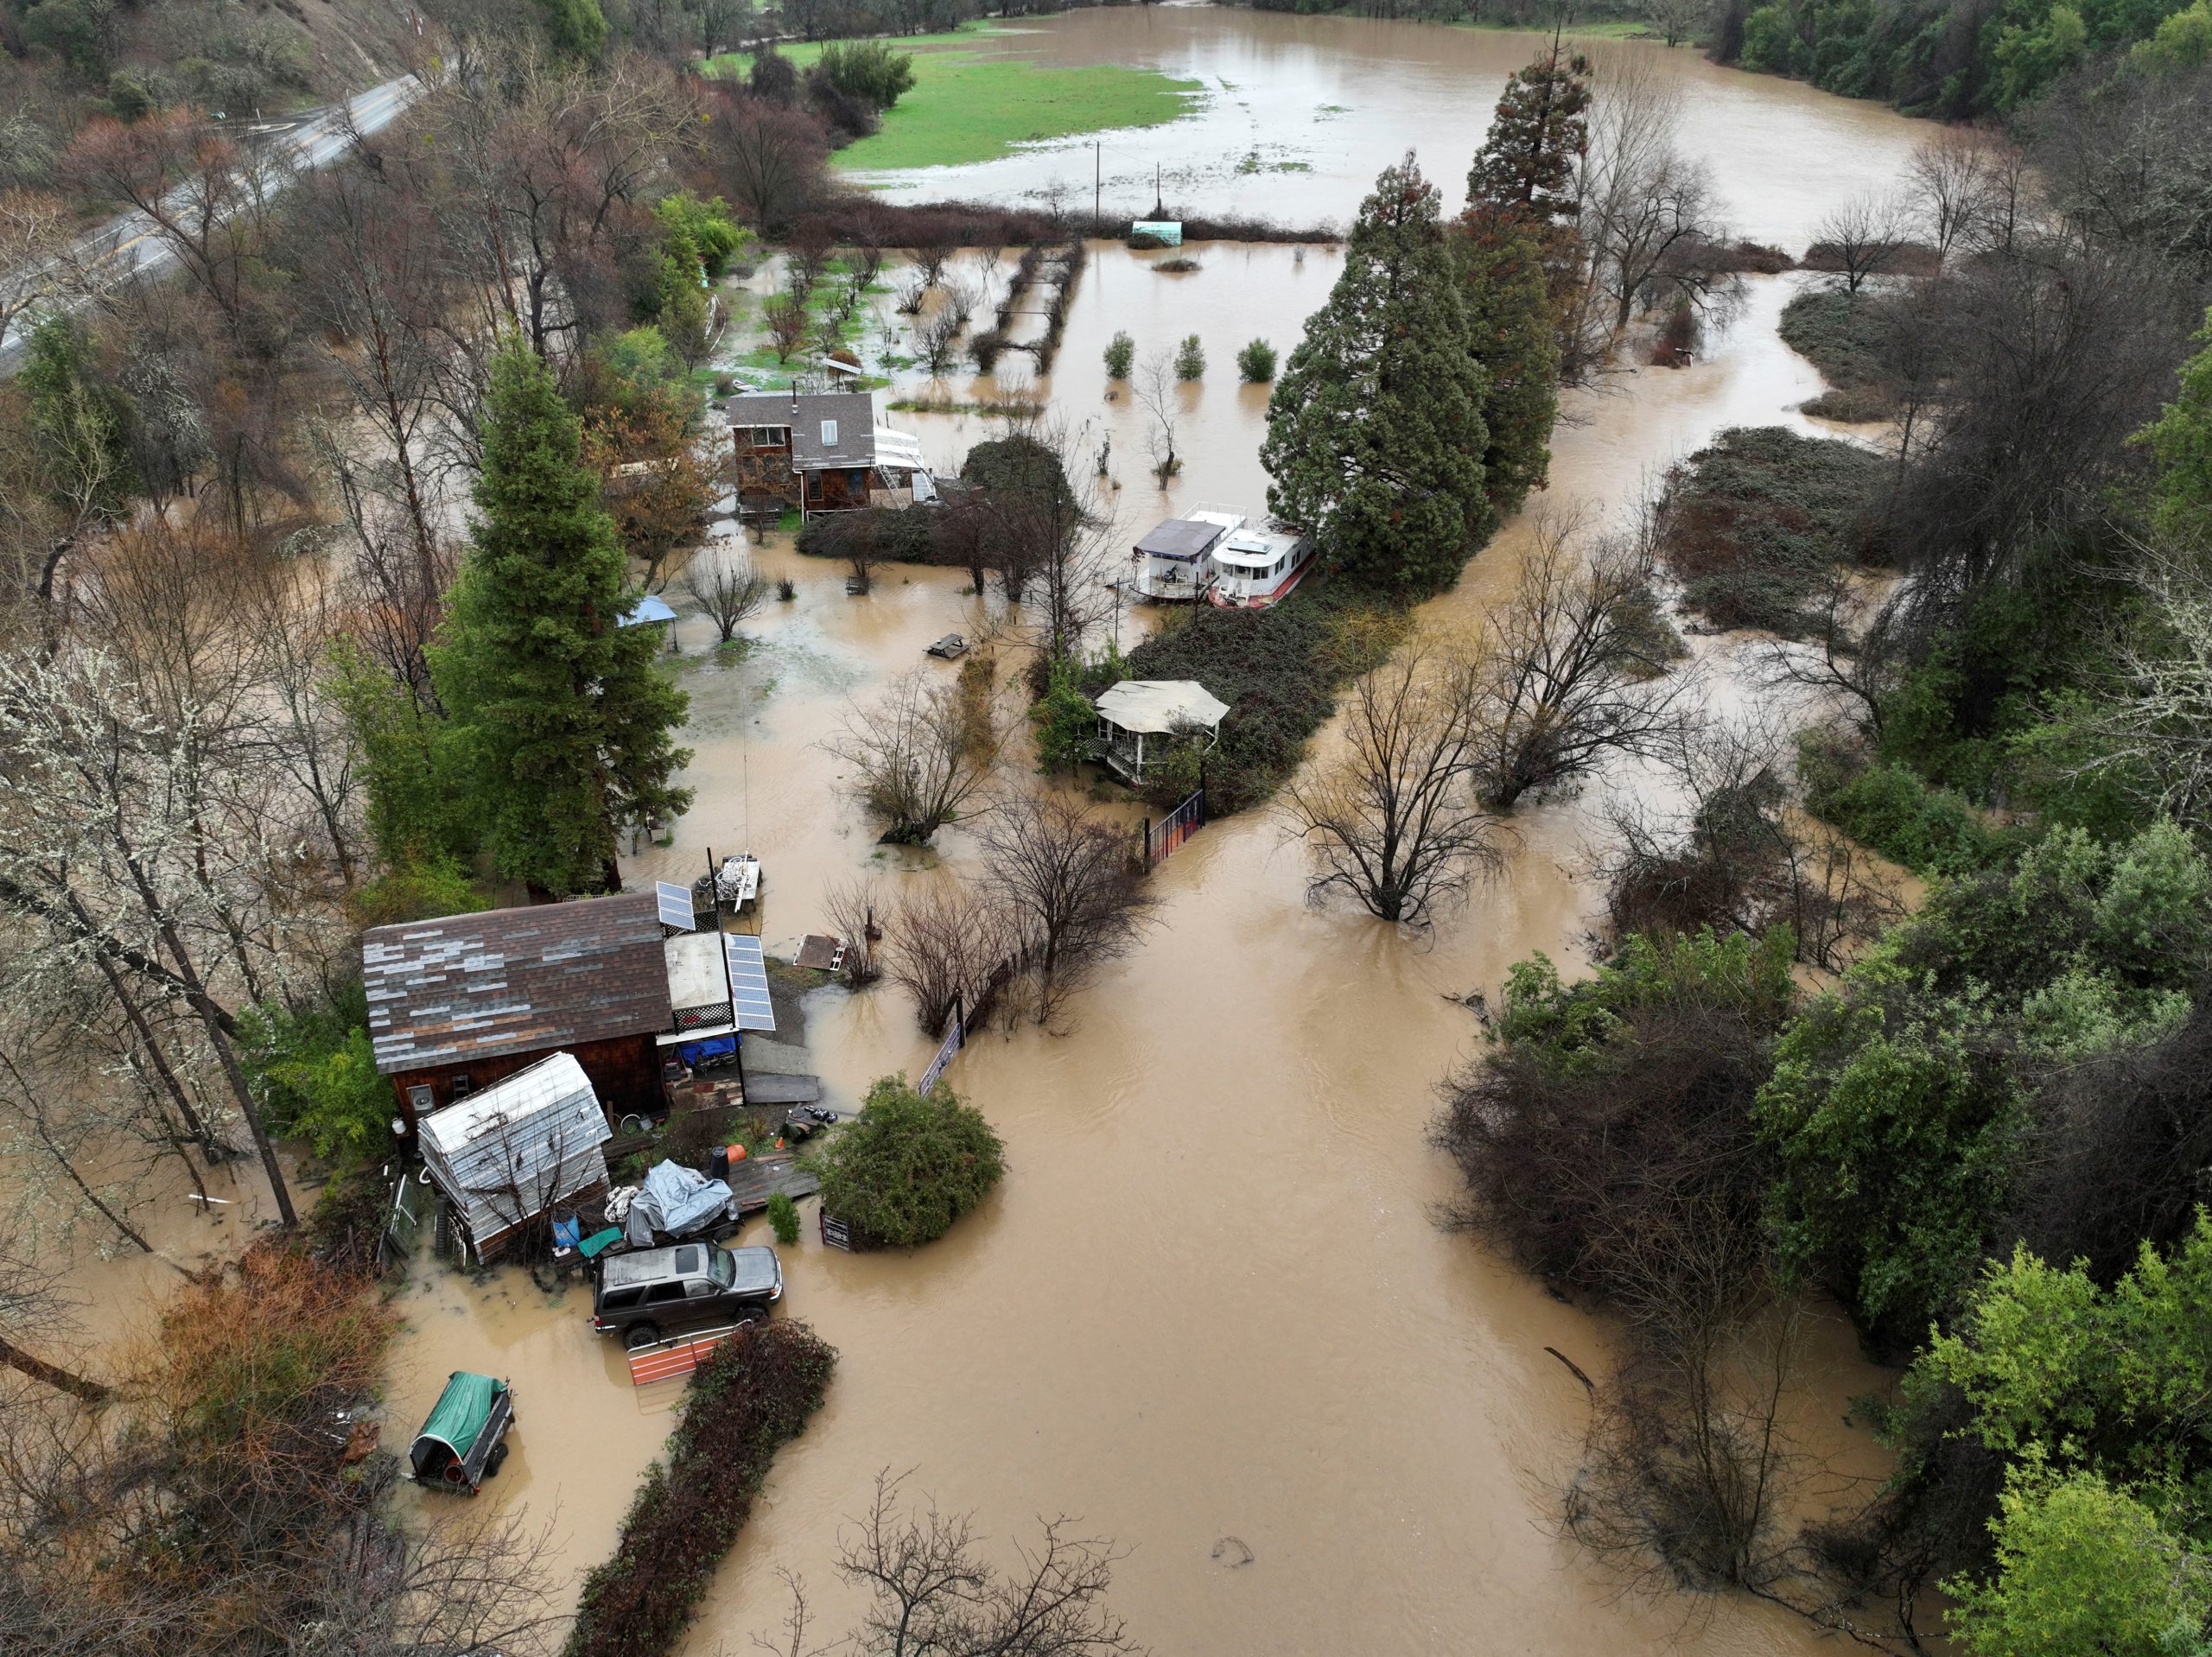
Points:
(640, 1335)
(752, 1314)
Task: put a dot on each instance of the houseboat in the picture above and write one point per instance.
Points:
(1173, 563)
(1253, 568)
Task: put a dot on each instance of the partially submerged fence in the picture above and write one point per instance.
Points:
(679, 1354)
(955, 1038)
(1170, 831)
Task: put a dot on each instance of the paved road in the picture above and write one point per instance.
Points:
(129, 245)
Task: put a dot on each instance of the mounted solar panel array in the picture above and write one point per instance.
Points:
(748, 983)
(675, 905)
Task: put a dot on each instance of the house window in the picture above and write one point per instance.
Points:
(767, 437)
(828, 434)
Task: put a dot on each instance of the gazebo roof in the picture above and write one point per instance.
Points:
(1156, 706)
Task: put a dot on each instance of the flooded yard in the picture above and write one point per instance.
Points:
(1212, 1299)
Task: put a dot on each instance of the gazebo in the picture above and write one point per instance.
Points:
(1160, 708)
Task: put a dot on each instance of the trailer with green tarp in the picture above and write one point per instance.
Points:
(464, 1441)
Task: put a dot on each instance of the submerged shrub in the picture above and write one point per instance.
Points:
(1189, 359)
(752, 1395)
(908, 1166)
(1256, 364)
(1121, 356)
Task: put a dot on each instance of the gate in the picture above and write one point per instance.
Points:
(1170, 831)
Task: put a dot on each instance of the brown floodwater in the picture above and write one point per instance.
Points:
(1211, 1298)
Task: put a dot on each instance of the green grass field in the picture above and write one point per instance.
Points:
(965, 108)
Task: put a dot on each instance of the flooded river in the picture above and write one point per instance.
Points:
(1211, 1299)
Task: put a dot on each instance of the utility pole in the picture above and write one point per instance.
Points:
(1097, 181)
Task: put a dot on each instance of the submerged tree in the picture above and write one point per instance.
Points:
(1375, 432)
(565, 730)
(1070, 883)
(1393, 820)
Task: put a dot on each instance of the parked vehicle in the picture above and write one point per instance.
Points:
(464, 1441)
(651, 1291)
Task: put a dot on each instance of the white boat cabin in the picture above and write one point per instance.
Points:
(1254, 568)
(1173, 563)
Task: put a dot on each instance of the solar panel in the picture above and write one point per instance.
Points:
(675, 905)
(748, 983)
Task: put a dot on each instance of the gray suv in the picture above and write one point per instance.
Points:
(640, 1295)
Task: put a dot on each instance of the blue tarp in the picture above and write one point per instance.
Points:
(692, 1052)
(673, 1199)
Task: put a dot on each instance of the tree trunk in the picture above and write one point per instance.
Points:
(52, 1374)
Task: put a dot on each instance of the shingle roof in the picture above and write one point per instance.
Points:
(853, 413)
(514, 980)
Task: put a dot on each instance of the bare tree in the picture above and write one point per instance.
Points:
(947, 944)
(1647, 215)
(1861, 237)
(727, 588)
(928, 258)
(960, 299)
(1073, 883)
(932, 1594)
(786, 321)
(922, 754)
(1392, 821)
(1853, 650)
(1160, 394)
(859, 913)
(1678, 20)
(1575, 666)
(937, 338)
(1951, 177)
(32, 1306)
(35, 233)
(2157, 726)
(1720, 845)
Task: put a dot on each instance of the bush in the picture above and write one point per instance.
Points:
(421, 890)
(1121, 356)
(315, 1074)
(1844, 335)
(868, 70)
(1888, 807)
(1066, 720)
(1899, 1108)
(753, 1394)
(1256, 364)
(1189, 359)
(876, 534)
(712, 233)
(1614, 1113)
(783, 1218)
(907, 1166)
(1754, 524)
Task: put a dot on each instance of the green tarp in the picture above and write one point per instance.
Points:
(462, 1410)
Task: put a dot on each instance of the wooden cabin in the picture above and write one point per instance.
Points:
(812, 452)
(623, 984)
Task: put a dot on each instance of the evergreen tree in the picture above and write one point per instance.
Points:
(79, 423)
(561, 725)
(1512, 332)
(1527, 164)
(576, 27)
(1375, 431)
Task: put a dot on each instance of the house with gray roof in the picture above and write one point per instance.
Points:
(821, 452)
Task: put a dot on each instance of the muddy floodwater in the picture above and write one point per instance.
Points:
(1211, 1299)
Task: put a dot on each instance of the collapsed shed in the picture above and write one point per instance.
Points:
(516, 1151)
